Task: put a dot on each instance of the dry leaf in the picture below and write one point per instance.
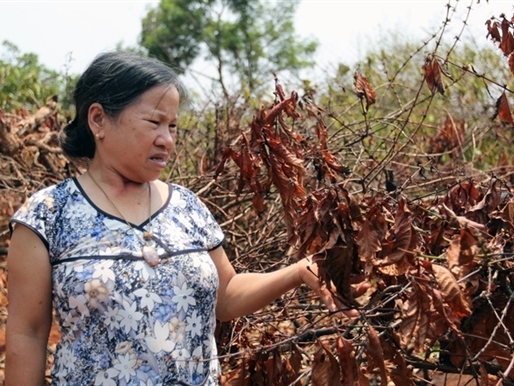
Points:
(416, 318)
(375, 355)
(503, 110)
(507, 42)
(493, 31)
(292, 367)
(338, 264)
(449, 137)
(364, 89)
(490, 200)
(349, 364)
(396, 258)
(462, 250)
(432, 72)
(274, 369)
(325, 367)
(462, 221)
(371, 235)
(401, 374)
(451, 291)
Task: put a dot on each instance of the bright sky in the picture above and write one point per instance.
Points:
(54, 30)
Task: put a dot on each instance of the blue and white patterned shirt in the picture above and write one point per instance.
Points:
(123, 322)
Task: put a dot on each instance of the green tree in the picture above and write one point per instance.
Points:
(26, 83)
(244, 38)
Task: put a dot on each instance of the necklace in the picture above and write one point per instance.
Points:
(149, 253)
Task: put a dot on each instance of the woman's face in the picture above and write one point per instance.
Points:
(138, 144)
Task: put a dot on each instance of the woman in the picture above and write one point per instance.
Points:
(134, 267)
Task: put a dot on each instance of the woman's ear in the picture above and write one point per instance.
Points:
(97, 119)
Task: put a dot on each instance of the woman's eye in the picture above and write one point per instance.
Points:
(171, 127)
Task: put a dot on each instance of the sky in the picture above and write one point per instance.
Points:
(68, 34)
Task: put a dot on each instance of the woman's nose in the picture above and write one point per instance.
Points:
(166, 137)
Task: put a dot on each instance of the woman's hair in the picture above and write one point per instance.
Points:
(115, 80)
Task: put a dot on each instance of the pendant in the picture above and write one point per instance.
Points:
(150, 255)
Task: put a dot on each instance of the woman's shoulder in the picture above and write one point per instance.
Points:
(43, 204)
(54, 190)
(48, 195)
(179, 191)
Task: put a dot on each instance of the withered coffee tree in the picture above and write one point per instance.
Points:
(390, 199)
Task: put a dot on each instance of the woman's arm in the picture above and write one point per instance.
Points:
(29, 292)
(244, 293)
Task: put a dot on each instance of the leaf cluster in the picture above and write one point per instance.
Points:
(432, 262)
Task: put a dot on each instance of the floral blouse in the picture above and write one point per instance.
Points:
(123, 322)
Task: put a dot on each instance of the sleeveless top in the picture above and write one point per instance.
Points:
(123, 322)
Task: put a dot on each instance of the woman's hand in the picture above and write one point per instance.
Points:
(308, 273)
(244, 293)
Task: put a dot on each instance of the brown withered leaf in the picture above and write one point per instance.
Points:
(258, 202)
(400, 374)
(443, 310)
(462, 196)
(292, 367)
(285, 187)
(484, 378)
(227, 153)
(325, 204)
(304, 233)
(287, 105)
(281, 151)
(370, 236)
(248, 162)
(503, 110)
(279, 89)
(329, 159)
(463, 222)
(462, 249)
(364, 89)
(279, 154)
(507, 42)
(416, 318)
(333, 163)
(348, 363)
(480, 327)
(238, 377)
(448, 137)
(399, 250)
(290, 106)
(317, 228)
(274, 369)
(433, 70)
(507, 213)
(399, 268)
(493, 31)
(375, 355)
(451, 291)
(325, 367)
(321, 133)
(354, 209)
(338, 265)
(490, 200)
(249, 166)
(295, 139)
